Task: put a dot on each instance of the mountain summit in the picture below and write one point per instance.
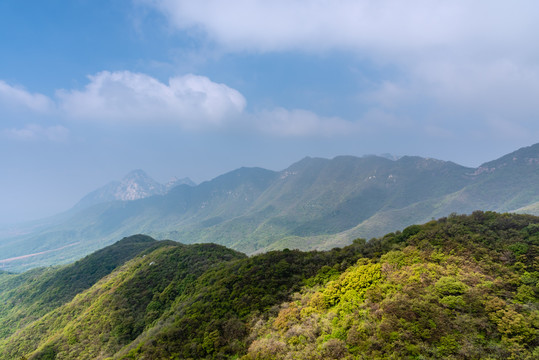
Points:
(137, 185)
(134, 186)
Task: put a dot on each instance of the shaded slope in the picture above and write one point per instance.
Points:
(347, 190)
(323, 197)
(505, 184)
(510, 183)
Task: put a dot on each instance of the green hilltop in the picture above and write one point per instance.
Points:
(461, 287)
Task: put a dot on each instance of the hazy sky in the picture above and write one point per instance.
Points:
(91, 89)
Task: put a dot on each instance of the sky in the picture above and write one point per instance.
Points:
(92, 89)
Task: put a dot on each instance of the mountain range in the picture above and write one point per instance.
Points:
(313, 204)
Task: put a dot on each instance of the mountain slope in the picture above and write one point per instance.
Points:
(461, 287)
(505, 184)
(510, 183)
(335, 195)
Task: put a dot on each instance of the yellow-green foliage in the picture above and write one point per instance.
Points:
(427, 299)
(352, 284)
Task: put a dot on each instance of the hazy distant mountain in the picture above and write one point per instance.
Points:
(135, 185)
(313, 204)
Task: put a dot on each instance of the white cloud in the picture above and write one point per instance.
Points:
(32, 132)
(297, 122)
(194, 102)
(17, 104)
(191, 101)
(16, 97)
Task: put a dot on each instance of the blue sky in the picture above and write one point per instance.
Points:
(91, 89)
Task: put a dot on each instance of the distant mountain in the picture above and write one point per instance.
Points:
(461, 287)
(313, 204)
(134, 186)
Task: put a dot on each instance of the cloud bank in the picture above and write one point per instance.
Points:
(450, 59)
(453, 62)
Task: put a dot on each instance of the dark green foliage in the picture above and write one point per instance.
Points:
(410, 231)
(81, 275)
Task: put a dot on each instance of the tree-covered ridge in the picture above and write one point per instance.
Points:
(461, 287)
(119, 307)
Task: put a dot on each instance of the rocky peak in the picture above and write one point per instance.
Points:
(137, 185)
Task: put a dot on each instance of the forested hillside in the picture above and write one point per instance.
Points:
(461, 287)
